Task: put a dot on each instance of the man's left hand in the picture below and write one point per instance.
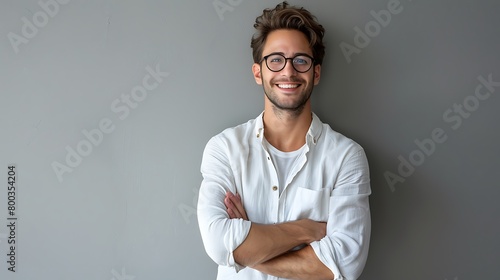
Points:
(234, 206)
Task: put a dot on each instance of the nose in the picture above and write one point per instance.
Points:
(289, 70)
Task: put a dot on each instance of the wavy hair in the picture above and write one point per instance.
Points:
(284, 16)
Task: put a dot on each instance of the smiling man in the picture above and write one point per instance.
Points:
(284, 196)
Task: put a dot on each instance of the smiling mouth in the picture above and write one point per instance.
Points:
(288, 86)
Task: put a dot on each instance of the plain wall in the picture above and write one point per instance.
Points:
(124, 206)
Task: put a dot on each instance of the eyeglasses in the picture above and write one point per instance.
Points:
(277, 62)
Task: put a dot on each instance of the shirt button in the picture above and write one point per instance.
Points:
(275, 188)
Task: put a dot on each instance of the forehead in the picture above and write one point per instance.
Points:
(286, 41)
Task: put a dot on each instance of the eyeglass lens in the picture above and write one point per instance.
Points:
(276, 62)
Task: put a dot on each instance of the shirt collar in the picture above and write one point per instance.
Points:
(313, 133)
(315, 130)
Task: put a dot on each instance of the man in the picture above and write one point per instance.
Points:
(284, 196)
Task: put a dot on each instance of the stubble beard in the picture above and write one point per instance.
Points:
(292, 110)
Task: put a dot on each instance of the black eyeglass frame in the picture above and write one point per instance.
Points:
(286, 61)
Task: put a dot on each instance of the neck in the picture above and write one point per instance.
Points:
(287, 131)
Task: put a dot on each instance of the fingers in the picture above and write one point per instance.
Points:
(234, 206)
(239, 206)
(231, 208)
(231, 213)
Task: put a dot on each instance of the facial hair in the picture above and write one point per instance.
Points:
(293, 109)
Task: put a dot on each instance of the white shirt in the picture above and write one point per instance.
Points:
(330, 184)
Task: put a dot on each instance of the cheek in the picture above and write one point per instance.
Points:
(267, 79)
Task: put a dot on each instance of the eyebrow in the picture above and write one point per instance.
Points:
(294, 55)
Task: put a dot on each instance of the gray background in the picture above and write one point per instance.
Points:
(127, 210)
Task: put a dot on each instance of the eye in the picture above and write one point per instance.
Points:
(275, 59)
(301, 60)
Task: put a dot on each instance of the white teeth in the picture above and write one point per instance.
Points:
(288, 85)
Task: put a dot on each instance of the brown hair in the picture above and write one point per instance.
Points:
(288, 17)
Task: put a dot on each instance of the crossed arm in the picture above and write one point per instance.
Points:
(232, 240)
(267, 247)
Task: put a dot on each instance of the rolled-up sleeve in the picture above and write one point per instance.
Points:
(344, 249)
(220, 234)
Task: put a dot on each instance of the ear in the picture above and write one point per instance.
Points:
(256, 73)
(317, 74)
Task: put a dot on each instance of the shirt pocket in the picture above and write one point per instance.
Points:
(310, 204)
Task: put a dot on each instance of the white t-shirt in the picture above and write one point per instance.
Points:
(283, 162)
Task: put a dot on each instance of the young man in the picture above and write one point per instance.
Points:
(283, 195)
